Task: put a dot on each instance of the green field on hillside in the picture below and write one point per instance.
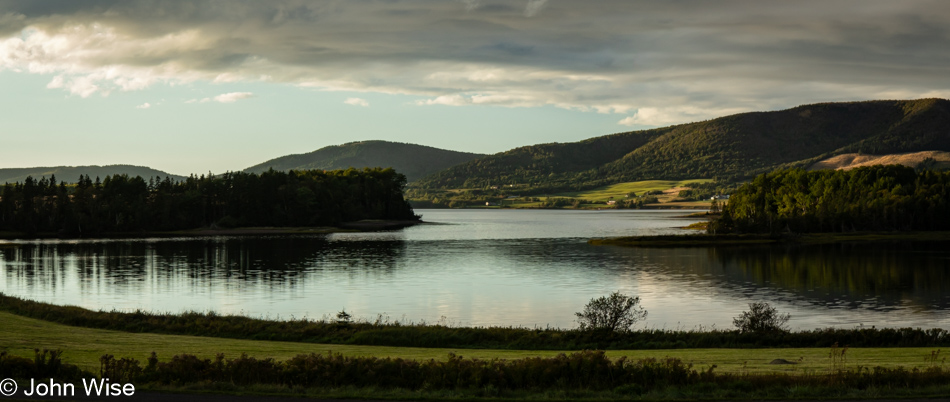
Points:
(84, 346)
(620, 190)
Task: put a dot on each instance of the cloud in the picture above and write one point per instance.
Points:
(498, 99)
(610, 56)
(470, 4)
(451, 100)
(534, 7)
(231, 97)
(651, 116)
(145, 105)
(82, 86)
(656, 117)
(356, 102)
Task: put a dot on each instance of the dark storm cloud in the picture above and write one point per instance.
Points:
(666, 61)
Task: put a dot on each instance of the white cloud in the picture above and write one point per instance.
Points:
(82, 86)
(145, 105)
(628, 121)
(651, 116)
(471, 4)
(356, 102)
(534, 7)
(57, 82)
(231, 97)
(451, 100)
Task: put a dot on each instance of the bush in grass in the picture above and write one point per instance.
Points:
(614, 313)
(121, 370)
(762, 318)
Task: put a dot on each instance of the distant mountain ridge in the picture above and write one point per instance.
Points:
(70, 174)
(414, 161)
(731, 147)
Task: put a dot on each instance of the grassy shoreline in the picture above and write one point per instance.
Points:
(215, 365)
(20, 336)
(188, 364)
(396, 334)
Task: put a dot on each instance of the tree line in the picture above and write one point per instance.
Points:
(120, 203)
(875, 198)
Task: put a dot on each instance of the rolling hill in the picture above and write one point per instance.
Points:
(70, 174)
(414, 161)
(732, 147)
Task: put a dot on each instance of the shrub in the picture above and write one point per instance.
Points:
(615, 313)
(762, 318)
(343, 317)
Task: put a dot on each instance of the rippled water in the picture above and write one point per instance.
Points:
(490, 267)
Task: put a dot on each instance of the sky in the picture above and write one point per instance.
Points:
(221, 85)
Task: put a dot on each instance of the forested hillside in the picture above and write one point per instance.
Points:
(747, 144)
(121, 204)
(543, 165)
(731, 148)
(70, 174)
(414, 161)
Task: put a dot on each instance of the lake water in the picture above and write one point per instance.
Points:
(529, 268)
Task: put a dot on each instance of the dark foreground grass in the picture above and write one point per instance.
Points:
(440, 336)
(582, 375)
(199, 364)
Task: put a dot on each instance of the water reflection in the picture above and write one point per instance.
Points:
(489, 269)
(81, 269)
(889, 274)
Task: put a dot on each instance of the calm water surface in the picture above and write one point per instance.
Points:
(490, 267)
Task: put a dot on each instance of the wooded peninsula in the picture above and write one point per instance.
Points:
(123, 204)
(874, 198)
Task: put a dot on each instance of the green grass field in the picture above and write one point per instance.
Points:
(83, 346)
(618, 191)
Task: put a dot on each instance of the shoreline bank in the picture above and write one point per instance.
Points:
(705, 240)
(358, 226)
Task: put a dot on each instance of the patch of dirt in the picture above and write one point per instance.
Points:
(782, 361)
(851, 161)
(670, 194)
(675, 190)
